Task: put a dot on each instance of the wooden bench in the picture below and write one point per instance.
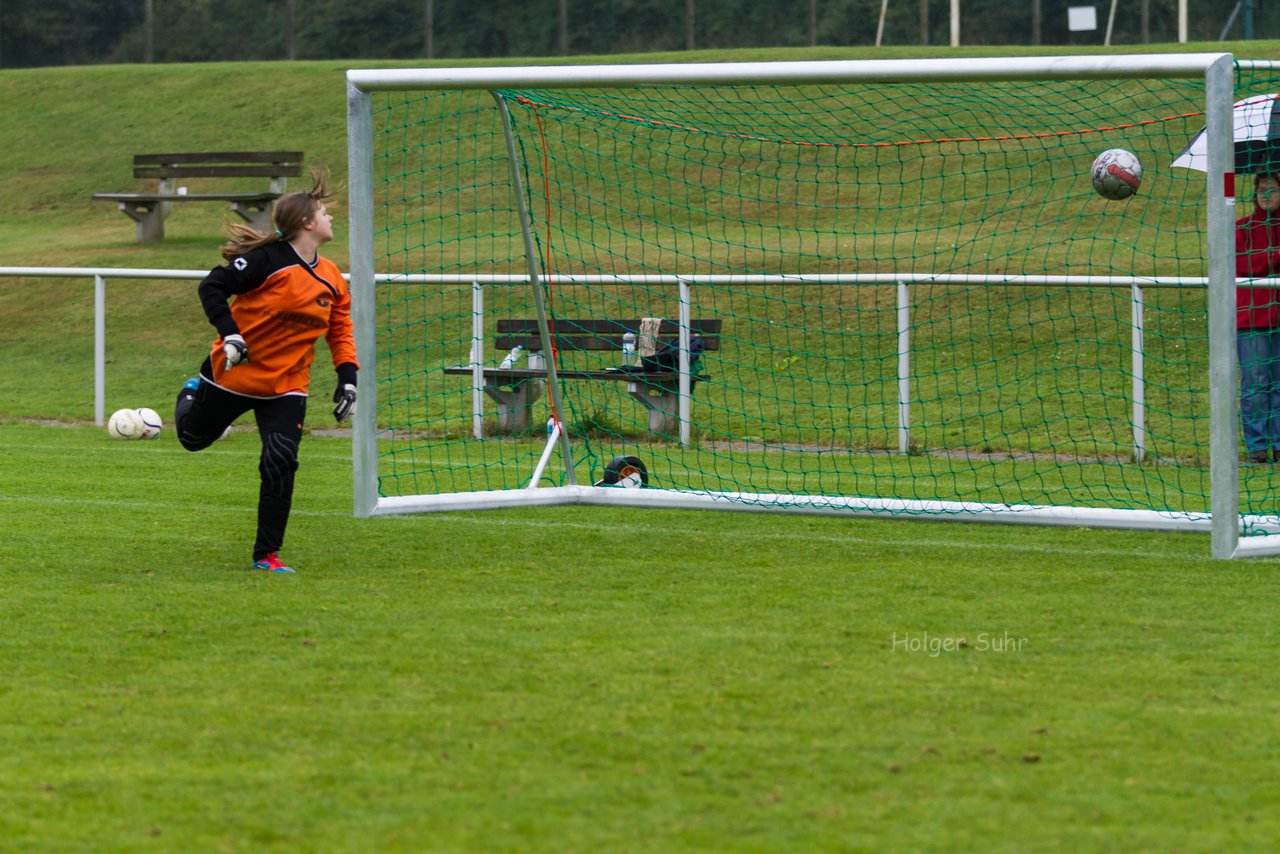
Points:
(149, 210)
(517, 388)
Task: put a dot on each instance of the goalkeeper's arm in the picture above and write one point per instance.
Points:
(238, 277)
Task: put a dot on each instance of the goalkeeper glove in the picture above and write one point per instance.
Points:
(236, 351)
(344, 400)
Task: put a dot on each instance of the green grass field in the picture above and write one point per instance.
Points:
(562, 679)
(576, 679)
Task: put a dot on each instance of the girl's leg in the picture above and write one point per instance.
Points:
(1273, 398)
(203, 413)
(280, 426)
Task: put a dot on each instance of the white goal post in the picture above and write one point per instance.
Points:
(418, 425)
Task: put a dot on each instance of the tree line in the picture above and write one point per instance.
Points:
(77, 32)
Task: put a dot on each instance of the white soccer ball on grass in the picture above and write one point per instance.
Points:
(125, 424)
(1116, 174)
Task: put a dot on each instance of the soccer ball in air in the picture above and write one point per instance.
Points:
(1116, 174)
(151, 423)
(125, 424)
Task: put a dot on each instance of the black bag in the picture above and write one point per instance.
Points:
(668, 358)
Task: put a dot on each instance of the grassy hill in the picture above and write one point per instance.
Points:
(72, 133)
(74, 129)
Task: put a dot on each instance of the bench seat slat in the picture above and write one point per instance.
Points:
(709, 326)
(596, 334)
(219, 156)
(507, 376)
(567, 343)
(267, 171)
(188, 197)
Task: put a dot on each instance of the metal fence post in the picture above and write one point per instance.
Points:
(99, 350)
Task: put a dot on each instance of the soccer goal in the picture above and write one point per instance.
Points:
(881, 288)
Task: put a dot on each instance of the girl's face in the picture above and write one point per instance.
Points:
(1268, 194)
(322, 223)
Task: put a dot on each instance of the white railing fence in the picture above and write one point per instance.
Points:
(99, 276)
(685, 285)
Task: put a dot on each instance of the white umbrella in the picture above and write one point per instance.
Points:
(1256, 123)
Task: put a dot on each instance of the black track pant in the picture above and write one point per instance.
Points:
(201, 420)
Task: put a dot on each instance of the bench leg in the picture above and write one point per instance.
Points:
(663, 405)
(150, 219)
(258, 216)
(515, 405)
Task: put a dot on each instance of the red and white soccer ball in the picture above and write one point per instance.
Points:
(1116, 174)
(140, 423)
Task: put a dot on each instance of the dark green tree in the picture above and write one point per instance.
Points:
(63, 32)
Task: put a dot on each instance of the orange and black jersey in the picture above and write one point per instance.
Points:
(281, 305)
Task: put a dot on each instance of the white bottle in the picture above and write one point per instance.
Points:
(512, 358)
(628, 348)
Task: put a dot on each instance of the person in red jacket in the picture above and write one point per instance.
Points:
(1258, 321)
(270, 303)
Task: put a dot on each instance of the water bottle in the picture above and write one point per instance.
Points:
(628, 348)
(512, 357)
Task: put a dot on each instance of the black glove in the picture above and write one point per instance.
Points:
(344, 397)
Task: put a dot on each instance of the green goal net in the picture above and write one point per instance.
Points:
(901, 297)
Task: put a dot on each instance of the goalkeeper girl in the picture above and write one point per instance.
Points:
(270, 303)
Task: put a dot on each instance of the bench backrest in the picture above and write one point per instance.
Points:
(593, 334)
(219, 164)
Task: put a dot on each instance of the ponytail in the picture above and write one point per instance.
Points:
(291, 213)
